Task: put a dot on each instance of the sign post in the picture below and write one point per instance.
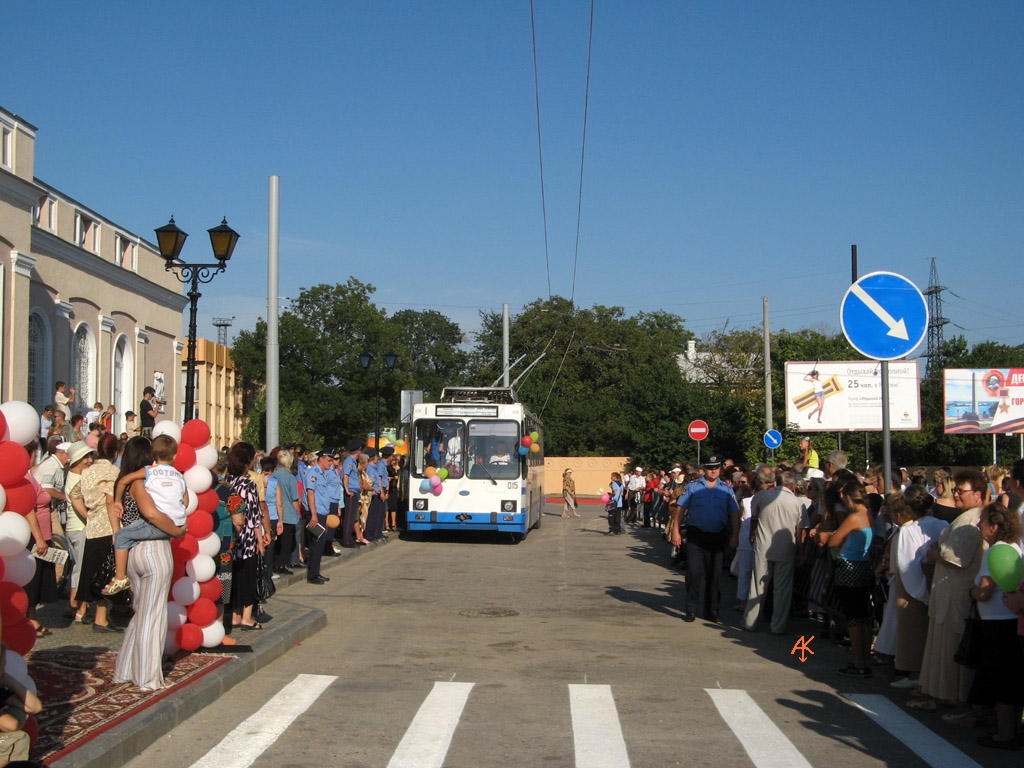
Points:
(698, 430)
(885, 317)
(772, 440)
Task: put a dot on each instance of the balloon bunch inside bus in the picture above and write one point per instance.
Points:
(476, 463)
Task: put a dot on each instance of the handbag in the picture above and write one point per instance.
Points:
(969, 651)
(103, 576)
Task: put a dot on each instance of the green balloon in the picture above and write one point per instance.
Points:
(442, 473)
(1006, 567)
(535, 436)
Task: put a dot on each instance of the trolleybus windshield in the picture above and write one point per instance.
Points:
(439, 443)
(491, 449)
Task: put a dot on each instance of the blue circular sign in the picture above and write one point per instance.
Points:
(884, 316)
(772, 439)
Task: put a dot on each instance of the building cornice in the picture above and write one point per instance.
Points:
(44, 242)
(178, 347)
(15, 190)
(106, 323)
(22, 263)
(64, 308)
(141, 336)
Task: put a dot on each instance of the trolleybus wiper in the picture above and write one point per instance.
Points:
(493, 481)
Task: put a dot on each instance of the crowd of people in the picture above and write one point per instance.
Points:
(910, 577)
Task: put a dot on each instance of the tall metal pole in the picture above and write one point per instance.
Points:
(376, 415)
(273, 361)
(767, 370)
(867, 445)
(190, 367)
(504, 343)
(886, 447)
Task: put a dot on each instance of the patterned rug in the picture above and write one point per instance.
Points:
(81, 701)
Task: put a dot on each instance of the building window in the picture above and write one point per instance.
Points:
(39, 373)
(87, 233)
(46, 213)
(6, 145)
(123, 248)
(83, 364)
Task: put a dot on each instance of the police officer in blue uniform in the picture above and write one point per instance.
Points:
(321, 487)
(351, 488)
(375, 518)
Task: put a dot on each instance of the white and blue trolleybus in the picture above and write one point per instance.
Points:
(471, 441)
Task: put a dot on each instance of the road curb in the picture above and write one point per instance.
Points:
(292, 624)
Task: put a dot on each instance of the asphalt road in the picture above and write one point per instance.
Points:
(576, 653)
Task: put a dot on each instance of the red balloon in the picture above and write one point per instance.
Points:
(13, 603)
(200, 524)
(3, 426)
(21, 497)
(196, 433)
(2, 569)
(203, 612)
(189, 636)
(186, 458)
(526, 440)
(20, 636)
(14, 463)
(31, 727)
(179, 570)
(211, 590)
(185, 548)
(208, 500)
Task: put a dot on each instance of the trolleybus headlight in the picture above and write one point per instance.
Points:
(508, 506)
(419, 504)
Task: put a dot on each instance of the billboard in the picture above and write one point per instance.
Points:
(982, 401)
(847, 396)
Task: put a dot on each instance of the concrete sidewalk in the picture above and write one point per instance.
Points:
(290, 623)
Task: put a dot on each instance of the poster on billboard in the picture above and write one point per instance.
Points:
(847, 396)
(983, 401)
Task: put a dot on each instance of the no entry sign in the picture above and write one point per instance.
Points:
(698, 430)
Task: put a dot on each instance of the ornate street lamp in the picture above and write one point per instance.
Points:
(170, 240)
(365, 361)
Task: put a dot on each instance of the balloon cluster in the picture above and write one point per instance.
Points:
(434, 482)
(19, 425)
(195, 588)
(529, 443)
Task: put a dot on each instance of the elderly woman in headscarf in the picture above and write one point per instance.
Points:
(569, 494)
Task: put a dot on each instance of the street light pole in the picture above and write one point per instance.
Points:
(171, 240)
(365, 361)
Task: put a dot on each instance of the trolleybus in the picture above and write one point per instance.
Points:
(466, 470)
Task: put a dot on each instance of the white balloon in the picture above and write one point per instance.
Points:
(3, 497)
(209, 546)
(169, 428)
(193, 503)
(16, 667)
(171, 646)
(207, 456)
(213, 635)
(22, 421)
(20, 568)
(30, 685)
(198, 479)
(185, 590)
(14, 533)
(176, 615)
(201, 568)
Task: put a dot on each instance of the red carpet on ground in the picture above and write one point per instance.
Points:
(81, 701)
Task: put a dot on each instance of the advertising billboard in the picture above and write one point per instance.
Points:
(983, 401)
(847, 396)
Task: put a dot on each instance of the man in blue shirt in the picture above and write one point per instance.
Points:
(351, 485)
(712, 522)
(321, 486)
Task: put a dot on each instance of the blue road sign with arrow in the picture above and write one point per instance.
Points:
(884, 316)
(772, 439)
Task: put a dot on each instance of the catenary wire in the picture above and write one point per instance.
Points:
(583, 155)
(540, 148)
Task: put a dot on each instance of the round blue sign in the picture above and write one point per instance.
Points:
(772, 439)
(884, 316)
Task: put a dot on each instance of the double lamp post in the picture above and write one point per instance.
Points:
(365, 361)
(170, 240)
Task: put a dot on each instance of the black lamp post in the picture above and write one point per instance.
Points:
(170, 239)
(365, 361)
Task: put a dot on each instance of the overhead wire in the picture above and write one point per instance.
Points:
(583, 154)
(540, 148)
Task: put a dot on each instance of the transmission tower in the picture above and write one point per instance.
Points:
(223, 323)
(935, 321)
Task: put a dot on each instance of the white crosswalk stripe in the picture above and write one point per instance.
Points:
(596, 731)
(241, 747)
(426, 742)
(926, 744)
(766, 745)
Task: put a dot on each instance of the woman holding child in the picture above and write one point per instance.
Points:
(150, 566)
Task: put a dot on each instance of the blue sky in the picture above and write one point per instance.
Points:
(734, 150)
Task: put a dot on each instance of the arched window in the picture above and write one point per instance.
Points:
(40, 369)
(83, 368)
(123, 380)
